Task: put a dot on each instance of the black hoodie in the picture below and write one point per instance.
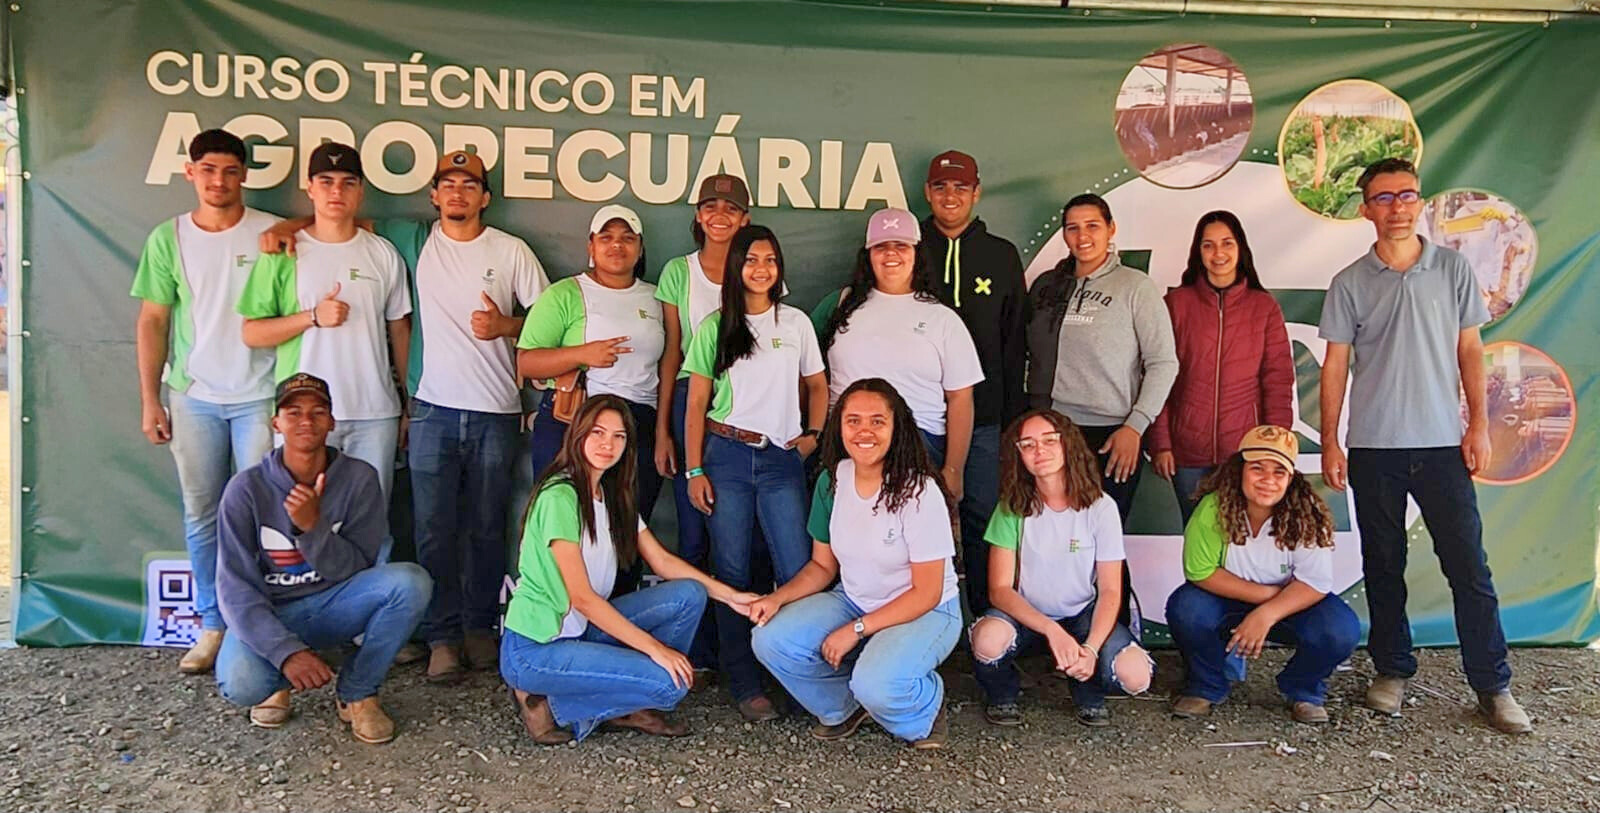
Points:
(980, 275)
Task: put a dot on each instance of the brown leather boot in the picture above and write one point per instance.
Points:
(368, 722)
(1503, 713)
(444, 665)
(203, 655)
(839, 731)
(534, 711)
(651, 722)
(1189, 706)
(1386, 695)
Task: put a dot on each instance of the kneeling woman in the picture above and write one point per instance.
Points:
(1258, 554)
(571, 656)
(1055, 549)
(881, 523)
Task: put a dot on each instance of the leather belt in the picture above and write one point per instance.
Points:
(744, 436)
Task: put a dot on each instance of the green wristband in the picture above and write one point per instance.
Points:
(694, 472)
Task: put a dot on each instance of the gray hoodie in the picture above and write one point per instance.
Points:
(263, 560)
(1100, 348)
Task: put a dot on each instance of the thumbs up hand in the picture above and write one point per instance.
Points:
(331, 312)
(490, 323)
(304, 503)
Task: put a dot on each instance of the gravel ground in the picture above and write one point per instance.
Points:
(108, 728)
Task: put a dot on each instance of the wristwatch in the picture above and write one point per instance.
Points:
(860, 627)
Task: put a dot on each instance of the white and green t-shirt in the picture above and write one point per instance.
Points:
(921, 348)
(353, 357)
(540, 608)
(761, 392)
(875, 548)
(1259, 559)
(200, 274)
(1059, 549)
(459, 370)
(578, 310)
(685, 286)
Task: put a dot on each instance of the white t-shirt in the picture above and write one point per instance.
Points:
(353, 357)
(459, 370)
(1059, 552)
(578, 310)
(876, 549)
(921, 348)
(761, 392)
(1260, 560)
(600, 562)
(200, 275)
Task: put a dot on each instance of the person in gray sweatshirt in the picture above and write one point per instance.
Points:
(297, 569)
(1100, 346)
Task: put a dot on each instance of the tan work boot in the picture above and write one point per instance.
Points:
(444, 665)
(410, 652)
(203, 655)
(538, 719)
(937, 736)
(1307, 712)
(272, 712)
(482, 650)
(1503, 713)
(1386, 695)
(1189, 706)
(367, 720)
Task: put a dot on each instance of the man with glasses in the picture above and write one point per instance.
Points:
(1404, 320)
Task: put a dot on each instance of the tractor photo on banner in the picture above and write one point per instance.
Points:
(830, 111)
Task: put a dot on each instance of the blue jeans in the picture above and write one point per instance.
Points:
(694, 541)
(1323, 636)
(209, 443)
(373, 441)
(1438, 480)
(1000, 680)
(755, 490)
(382, 604)
(594, 677)
(460, 465)
(892, 674)
(980, 492)
(1185, 481)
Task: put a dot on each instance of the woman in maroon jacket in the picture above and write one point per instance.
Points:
(1235, 370)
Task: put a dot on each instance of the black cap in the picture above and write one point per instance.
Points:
(302, 383)
(331, 156)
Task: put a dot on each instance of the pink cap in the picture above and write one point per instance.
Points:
(893, 226)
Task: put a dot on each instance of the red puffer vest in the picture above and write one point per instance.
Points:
(1235, 372)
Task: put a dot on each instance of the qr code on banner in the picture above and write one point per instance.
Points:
(170, 618)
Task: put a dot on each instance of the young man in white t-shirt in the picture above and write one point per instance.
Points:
(219, 390)
(468, 279)
(337, 309)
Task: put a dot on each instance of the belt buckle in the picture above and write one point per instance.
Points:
(765, 442)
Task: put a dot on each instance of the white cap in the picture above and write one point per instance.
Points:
(614, 211)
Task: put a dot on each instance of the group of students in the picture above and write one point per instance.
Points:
(823, 467)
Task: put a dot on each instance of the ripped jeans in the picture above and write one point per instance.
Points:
(1000, 680)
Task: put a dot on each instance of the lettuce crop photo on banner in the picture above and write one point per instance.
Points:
(830, 110)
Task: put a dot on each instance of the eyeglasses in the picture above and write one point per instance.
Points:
(1407, 196)
(1048, 440)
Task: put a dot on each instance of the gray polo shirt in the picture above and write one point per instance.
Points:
(1403, 328)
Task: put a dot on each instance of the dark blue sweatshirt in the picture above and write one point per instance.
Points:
(263, 560)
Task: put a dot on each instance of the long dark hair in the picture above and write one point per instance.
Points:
(1195, 272)
(1019, 491)
(907, 465)
(861, 283)
(616, 484)
(734, 339)
(1300, 519)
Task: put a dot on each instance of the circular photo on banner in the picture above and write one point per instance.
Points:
(1334, 134)
(1494, 236)
(1531, 413)
(1184, 115)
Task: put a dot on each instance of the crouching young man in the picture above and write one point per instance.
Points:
(299, 535)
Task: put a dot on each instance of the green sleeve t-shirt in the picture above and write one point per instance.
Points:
(539, 601)
(759, 393)
(1205, 547)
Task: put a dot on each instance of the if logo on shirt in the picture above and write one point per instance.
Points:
(1074, 546)
(891, 537)
(355, 274)
(241, 260)
(777, 343)
(1283, 569)
(488, 276)
(644, 314)
(922, 327)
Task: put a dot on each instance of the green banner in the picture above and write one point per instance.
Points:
(830, 110)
